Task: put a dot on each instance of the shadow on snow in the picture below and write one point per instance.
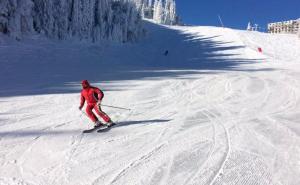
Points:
(39, 133)
(39, 67)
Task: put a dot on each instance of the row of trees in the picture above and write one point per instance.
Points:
(161, 11)
(95, 20)
(165, 13)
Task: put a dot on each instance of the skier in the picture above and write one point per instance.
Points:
(93, 96)
(166, 53)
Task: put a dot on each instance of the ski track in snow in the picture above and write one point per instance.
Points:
(192, 125)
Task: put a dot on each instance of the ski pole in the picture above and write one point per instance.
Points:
(115, 107)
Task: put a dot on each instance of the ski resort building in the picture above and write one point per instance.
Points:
(291, 26)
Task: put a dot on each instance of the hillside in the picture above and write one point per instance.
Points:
(213, 111)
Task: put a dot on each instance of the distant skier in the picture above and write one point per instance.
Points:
(166, 53)
(93, 96)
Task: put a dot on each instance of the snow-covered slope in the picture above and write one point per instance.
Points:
(213, 111)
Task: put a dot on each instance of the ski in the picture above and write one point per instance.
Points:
(106, 129)
(101, 127)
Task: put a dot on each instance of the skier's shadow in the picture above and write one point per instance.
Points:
(39, 133)
(142, 122)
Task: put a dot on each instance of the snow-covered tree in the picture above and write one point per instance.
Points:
(94, 20)
(150, 3)
(166, 17)
(143, 11)
(249, 27)
(147, 11)
(158, 11)
(15, 17)
(164, 12)
(170, 12)
(299, 28)
(173, 13)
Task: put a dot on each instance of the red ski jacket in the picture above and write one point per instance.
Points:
(91, 95)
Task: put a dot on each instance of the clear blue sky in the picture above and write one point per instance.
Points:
(237, 13)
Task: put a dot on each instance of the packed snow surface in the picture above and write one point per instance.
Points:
(212, 111)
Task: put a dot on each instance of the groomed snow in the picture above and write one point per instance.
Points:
(214, 111)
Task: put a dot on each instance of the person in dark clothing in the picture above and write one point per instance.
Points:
(166, 52)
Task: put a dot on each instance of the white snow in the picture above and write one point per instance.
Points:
(214, 111)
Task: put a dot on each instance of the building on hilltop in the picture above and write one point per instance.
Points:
(291, 27)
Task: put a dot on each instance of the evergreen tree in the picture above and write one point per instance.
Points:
(166, 19)
(155, 9)
(158, 12)
(15, 17)
(143, 11)
(94, 20)
(173, 15)
(299, 28)
(170, 12)
(164, 12)
(249, 27)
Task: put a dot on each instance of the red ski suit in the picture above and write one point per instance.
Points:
(93, 95)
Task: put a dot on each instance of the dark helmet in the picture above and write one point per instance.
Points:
(85, 84)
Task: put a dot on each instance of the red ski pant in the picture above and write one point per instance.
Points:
(92, 116)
